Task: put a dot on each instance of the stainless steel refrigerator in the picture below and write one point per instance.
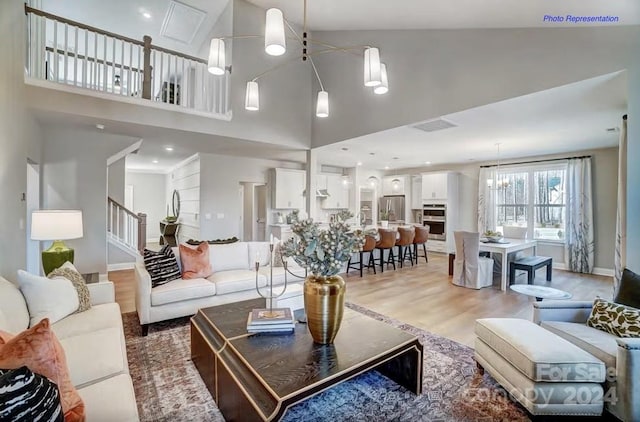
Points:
(394, 205)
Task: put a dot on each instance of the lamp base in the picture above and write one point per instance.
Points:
(55, 256)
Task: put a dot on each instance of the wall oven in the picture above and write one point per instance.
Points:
(435, 216)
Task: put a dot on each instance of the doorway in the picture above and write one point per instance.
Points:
(32, 199)
(253, 203)
(260, 213)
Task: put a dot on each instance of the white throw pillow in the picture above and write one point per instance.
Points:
(53, 298)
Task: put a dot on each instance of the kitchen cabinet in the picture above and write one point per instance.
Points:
(416, 193)
(288, 189)
(389, 188)
(338, 193)
(435, 186)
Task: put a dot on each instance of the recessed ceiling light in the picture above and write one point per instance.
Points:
(386, 167)
(146, 15)
(359, 163)
(155, 161)
(99, 126)
(428, 163)
(168, 148)
(344, 149)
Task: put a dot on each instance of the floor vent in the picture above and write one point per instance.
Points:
(434, 125)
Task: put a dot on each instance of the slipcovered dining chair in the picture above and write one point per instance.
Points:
(510, 232)
(471, 270)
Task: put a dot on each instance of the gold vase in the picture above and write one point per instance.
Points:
(324, 305)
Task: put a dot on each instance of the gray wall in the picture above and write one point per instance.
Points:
(220, 178)
(116, 176)
(436, 72)
(20, 138)
(605, 182)
(633, 169)
(149, 198)
(74, 176)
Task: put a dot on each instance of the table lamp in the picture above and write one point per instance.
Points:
(56, 225)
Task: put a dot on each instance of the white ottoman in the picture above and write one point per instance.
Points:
(545, 373)
(292, 298)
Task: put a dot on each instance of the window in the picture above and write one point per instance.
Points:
(532, 197)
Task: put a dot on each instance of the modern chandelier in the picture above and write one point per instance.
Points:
(375, 72)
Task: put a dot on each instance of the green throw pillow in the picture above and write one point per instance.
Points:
(616, 319)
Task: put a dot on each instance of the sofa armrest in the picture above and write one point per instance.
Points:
(562, 310)
(143, 292)
(101, 292)
(628, 378)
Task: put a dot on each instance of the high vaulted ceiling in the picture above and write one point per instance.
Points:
(329, 15)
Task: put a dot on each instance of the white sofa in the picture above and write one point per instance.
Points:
(233, 280)
(621, 356)
(94, 345)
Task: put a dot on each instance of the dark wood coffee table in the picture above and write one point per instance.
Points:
(259, 376)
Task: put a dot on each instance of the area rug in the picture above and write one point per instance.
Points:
(169, 388)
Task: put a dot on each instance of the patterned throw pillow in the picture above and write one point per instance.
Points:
(615, 319)
(162, 266)
(26, 397)
(78, 283)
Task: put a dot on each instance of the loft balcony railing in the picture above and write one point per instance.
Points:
(70, 53)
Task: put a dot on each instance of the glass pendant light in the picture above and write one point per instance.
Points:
(216, 63)
(322, 106)
(274, 39)
(383, 88)
(373, 181)
(252, 97)
(372, 68)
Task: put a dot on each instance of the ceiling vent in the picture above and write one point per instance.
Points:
(434, 125)
(182, 22)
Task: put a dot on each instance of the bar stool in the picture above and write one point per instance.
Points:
(387, 242)
(404, 244)
(422, 235)
(369, 246)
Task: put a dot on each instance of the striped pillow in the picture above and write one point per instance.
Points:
(162, 266)
(25, 396)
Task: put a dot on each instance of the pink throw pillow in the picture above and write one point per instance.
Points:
(195, 262)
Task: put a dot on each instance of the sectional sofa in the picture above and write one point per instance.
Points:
(94, 345)
(233, 280)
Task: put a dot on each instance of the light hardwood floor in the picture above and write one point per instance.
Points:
(423, 296)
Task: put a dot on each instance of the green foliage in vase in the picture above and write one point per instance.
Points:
(323, 252)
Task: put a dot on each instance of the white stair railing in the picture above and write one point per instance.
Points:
(126, 226)
(73, 54)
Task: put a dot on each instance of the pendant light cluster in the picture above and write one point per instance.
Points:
(375, 72)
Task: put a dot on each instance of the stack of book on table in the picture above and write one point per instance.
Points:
(276, 320)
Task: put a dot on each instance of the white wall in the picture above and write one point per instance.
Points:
(185, 178)
(436, 72)
(74, 176)
(149, 198)
(605, 169)
(116, 180)
(20, 138)
(633, 169)
(220, 178)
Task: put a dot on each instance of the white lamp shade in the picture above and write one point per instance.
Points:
(217, 58)
(372, 68)
(383, 88)
(56, 224)
(274, 39)
(322, 106)
(252, 97)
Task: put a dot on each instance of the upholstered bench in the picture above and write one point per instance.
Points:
(545, 373)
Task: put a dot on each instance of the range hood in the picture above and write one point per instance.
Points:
(322, 193)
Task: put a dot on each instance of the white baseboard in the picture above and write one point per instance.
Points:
(121, 266)
(607, 272)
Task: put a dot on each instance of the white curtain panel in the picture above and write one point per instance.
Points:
(486, 200)
(579, 245)
(621, 221)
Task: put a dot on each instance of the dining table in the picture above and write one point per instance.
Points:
(504, 247)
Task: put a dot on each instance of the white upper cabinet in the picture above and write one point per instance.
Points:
(416, 192)
(288, 189)
(338, 193)
(391, 188)
(435, 186)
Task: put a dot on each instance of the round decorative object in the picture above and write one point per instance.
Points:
(175, 200)
(324, 306)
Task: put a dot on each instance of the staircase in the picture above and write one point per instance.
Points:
(126, 233)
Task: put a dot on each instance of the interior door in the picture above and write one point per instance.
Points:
(260, 206)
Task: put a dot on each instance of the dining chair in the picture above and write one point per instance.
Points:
(421, 237)
(404, 242)
(386, 242)
(511, 232)
(369, 247)
(470, 269)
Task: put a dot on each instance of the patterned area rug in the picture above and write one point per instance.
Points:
(169, 388)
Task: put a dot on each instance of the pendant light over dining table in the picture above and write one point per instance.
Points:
(375, 72)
